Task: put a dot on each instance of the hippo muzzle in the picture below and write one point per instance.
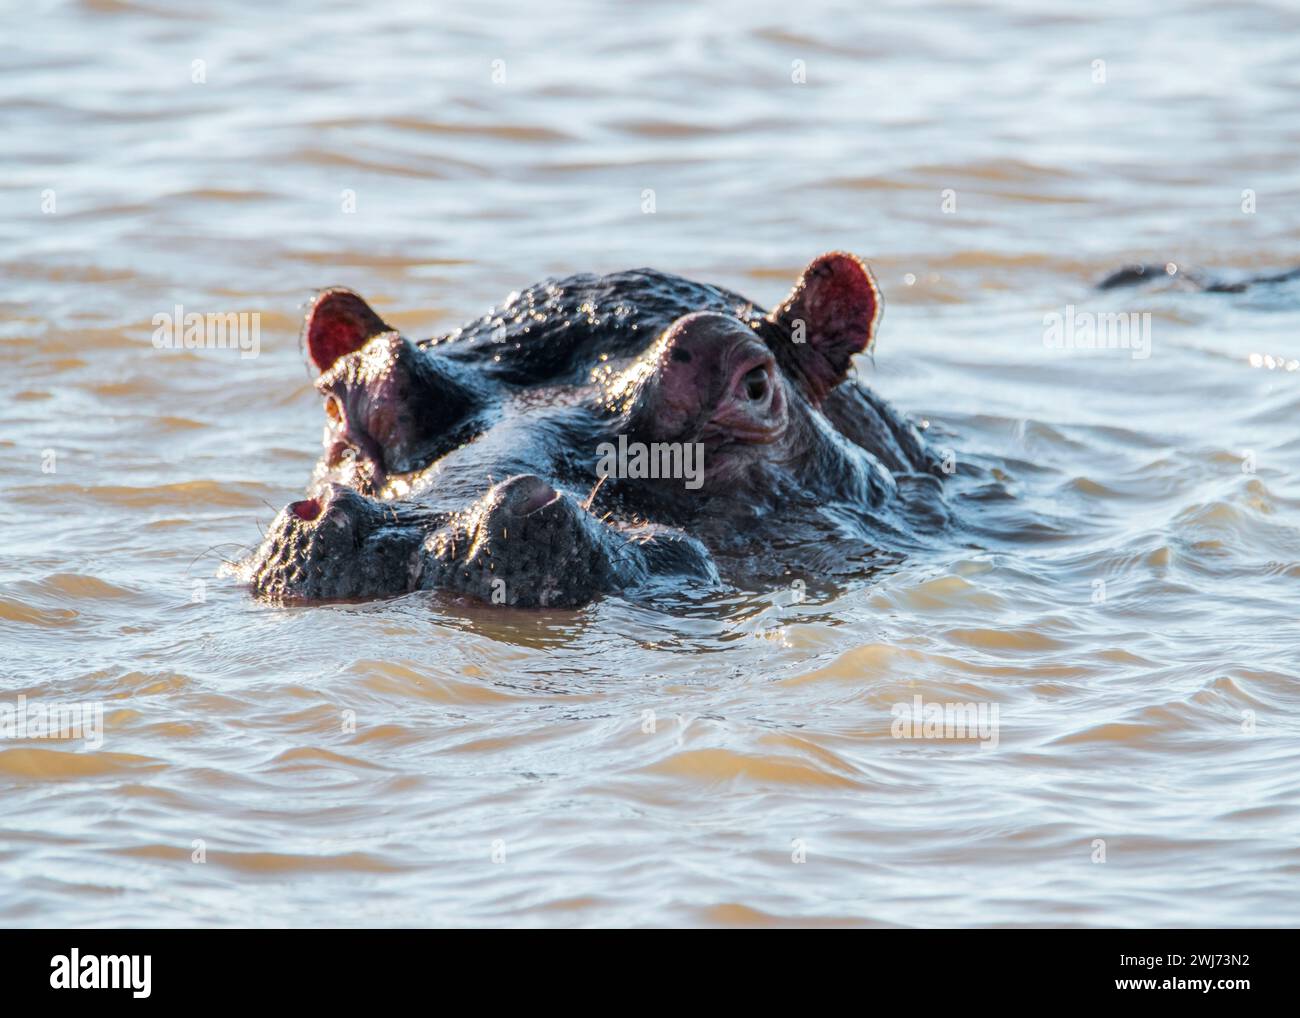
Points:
(523, 543)
(337, 545)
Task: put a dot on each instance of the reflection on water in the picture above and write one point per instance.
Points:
(1121, 589)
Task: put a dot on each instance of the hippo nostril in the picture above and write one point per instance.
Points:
(756, 383)
(306, 510)
(528, 494)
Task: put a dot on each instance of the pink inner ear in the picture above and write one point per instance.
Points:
(837, 301)
(338, 323)
(844, 302)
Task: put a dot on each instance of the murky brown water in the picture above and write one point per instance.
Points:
(1130, 612)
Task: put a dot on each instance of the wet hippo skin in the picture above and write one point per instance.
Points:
(623, 433)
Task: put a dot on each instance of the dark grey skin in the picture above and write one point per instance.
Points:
(1136, 275)
(468, 463)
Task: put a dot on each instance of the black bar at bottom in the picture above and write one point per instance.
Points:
(1223, 968)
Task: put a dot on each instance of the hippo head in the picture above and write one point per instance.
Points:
(465, 464)
(744, 396)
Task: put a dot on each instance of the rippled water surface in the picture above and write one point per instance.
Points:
(1129, 609)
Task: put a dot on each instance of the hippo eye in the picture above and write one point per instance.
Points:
(756, 383)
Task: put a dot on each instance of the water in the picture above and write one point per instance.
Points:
(1129, 610)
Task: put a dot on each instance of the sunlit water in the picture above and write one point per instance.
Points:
(1130, 609)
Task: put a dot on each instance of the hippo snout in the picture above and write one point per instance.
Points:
(525, 543)
(335, 545)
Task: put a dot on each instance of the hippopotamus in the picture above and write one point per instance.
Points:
(602, 434)
(1195, 279)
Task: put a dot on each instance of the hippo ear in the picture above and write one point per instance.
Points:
(830, 315)
(339, 322)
